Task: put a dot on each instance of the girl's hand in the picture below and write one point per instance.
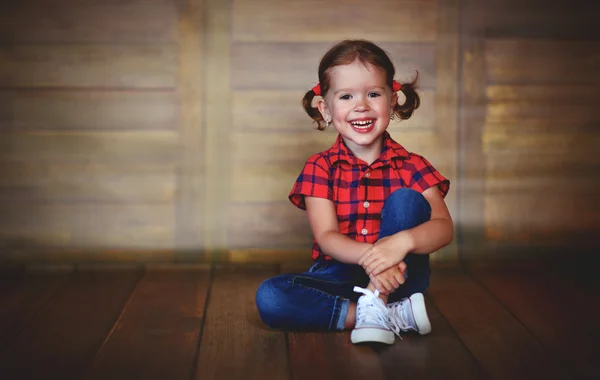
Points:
(389, 280)
(386, 253)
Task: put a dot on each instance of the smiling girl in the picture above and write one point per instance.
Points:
(376, 210)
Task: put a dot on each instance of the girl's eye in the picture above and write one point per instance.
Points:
(345, 97)
(374, 94)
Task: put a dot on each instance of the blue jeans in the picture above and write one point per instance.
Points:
(318, 300)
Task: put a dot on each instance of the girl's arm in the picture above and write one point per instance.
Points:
(423, 239)
(324, 225)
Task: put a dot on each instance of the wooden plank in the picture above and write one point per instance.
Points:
(281, 111)
(65, 334)
(24, 300)
(89, 110)
(561, 143)
(293, 66)
(545, 306)
(190, 209)
(86, 225)
(217, 148)
(384, 20)
(440, 354)
(268, 225)
(471, 91)
(560, 19)
(332, 356)
(544, 164)
(159, 328)
(233, 330)
(544, 218)
(269, 182)
(499, 342)
(532, 61)
(295, 148)
(97, 66)
(446, 116)
(30, 181)
(131, 21)
(127, 147)
(525, 109)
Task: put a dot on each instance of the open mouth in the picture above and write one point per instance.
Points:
(363, 126)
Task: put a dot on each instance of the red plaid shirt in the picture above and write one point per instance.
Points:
(359, 190)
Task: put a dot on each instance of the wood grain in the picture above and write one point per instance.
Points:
(531, 295)
(20, 304)
(293, 66)
(88, 110)
(271, 20)
(233, 330)
(439, 354)
(69, 182)
(65, 334)
(91, 66)
(498, 341)
(534, 61)
(344, 360)
(126, 147)
(85, 225)
(268, 225)
(159, 328)
(131, 21)
(190, 207)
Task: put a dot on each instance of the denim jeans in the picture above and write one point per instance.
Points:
(318, 300)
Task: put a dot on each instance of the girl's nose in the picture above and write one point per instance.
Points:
(361, 105)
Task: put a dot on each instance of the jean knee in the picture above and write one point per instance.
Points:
(267, 296)
(404, 209)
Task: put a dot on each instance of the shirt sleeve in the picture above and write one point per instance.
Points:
(424, 176)
(313, 181)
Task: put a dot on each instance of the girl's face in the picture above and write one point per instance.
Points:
(359, 104)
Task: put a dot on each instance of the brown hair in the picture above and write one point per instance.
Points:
(346, 52)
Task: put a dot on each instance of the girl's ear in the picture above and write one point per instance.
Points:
(322, 106)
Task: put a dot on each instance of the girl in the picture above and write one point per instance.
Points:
(376, 210)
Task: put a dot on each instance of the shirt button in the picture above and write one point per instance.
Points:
(364, 231)
(366, 204)
(368, 175)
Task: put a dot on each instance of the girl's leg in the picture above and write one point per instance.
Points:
(405, 209)
(317, 300)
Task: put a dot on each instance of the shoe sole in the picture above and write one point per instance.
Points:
(420, 313)
(374, 335)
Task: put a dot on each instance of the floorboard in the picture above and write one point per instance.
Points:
(235, 344)
(438, 355)
(503, 346)
(331, 355)
(65, 334)
(560, 312)
(23, 299)
(156, 336)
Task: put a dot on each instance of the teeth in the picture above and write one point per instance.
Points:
(363, 123)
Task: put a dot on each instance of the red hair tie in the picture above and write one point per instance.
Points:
(396, 86)
(317, 89)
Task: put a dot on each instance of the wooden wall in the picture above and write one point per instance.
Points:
(171, 130)
(530, 80)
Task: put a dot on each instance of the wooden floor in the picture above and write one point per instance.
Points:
(201, 323)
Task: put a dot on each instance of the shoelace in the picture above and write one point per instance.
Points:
(397, 318)
(377, 312)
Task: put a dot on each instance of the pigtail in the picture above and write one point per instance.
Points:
(313, 112)
(413, 101)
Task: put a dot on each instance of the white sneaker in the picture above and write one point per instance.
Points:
(372, 322)
(409, 314)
